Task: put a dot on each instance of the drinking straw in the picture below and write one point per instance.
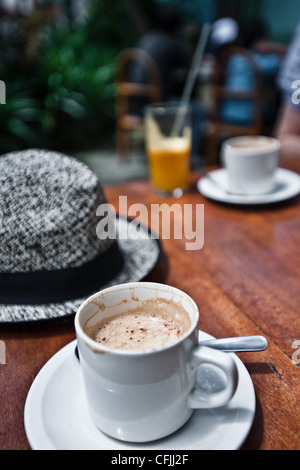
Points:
(197, 59)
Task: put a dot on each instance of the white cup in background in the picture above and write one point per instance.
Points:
(251, 163)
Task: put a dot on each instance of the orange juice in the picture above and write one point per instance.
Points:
(168, 147)
(170, 164)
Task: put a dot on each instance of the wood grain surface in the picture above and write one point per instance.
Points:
(245, 280)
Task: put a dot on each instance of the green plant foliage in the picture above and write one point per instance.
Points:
(60, 79)
(17, 120)
(76, 89)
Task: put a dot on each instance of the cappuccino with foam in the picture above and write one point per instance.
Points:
(253, 143)
(141, 380)
(154, 324)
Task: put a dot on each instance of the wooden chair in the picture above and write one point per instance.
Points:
(126, 122)
(220, 92)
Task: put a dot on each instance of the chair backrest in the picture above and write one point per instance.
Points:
(223, 92)
(126, 89)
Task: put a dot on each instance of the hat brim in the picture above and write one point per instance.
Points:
(141, 256)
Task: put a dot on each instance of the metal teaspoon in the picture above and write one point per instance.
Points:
(238, 344)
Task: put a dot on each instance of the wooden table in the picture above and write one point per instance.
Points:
(245, 281)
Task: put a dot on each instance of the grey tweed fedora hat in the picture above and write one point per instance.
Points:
(51, 255)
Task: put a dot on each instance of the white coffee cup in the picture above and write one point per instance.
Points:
(141, 396)
(251, 163)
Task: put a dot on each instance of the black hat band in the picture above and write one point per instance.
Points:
(45, 287)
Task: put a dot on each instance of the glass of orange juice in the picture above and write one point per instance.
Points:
(168, 143)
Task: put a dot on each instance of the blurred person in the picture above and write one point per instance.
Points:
(252, 36)
(173, 60)
(167, 50)
(288, 125)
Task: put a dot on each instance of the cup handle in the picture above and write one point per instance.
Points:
(200, 399)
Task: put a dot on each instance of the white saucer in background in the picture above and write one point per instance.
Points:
(214, 186)
(57, 417)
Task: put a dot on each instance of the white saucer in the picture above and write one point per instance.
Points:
(214, 186)
(57, 417)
